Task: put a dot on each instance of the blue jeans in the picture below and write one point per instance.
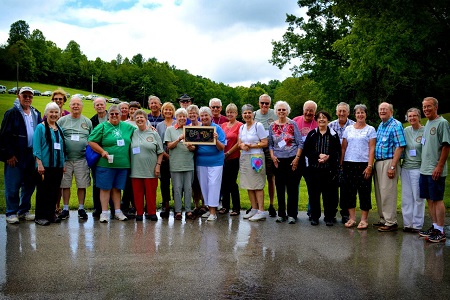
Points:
(18, 180)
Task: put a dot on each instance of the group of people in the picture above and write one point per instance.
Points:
(336, 158)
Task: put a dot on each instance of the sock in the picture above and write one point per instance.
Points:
(435, 225)
(117, 211)
(105, 211)
(81, 206)
(440, 228)
(66, 207)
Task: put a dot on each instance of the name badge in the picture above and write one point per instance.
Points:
(412, 152)
(120, 143)
(422, 141)
(57, 146)
(281, 144)
(137, 150)
(75, 137)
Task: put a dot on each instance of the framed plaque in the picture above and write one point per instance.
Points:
(199, 135)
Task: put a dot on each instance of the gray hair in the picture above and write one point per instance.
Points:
(181, 111)
(265, 96)
(246, 107)
(51, 106)
(150, 98)
(205, 109)
(193, 107)
(115, 108)
(435, 101)
(310, 102)
(139, 112)
(347, 107)
(215, 100)
(231, 107)
(76, 98)
(99, 98)
(413, 109)
(280, 103)
(124, 103)
(360, 106)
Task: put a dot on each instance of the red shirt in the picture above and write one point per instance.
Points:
(232, 135)
(220, 119)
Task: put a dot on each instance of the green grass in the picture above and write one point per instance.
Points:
(39, 102)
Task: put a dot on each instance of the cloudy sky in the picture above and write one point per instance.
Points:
(227, 41)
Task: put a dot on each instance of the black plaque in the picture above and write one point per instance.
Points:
(199, 135)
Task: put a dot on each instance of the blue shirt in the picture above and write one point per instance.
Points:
(390, 136)
(209, 155)
(337, 127)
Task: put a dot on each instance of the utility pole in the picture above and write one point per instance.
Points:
(92, 84)
(17, 75)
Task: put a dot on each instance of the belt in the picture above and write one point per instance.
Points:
(381, 159)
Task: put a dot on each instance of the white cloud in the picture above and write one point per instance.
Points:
(226, 41)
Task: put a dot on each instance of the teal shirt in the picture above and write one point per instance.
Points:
(413, 150)
(108, 137)
(41, 149)
(436, 134)
(145, 147)
(76, 134)
(181, 159)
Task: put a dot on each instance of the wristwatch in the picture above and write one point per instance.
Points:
(392, 168)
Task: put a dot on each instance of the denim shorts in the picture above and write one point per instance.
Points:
(431, 189)
(108, 178)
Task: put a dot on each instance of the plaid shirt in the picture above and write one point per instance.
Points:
(390, 136)
(337, 127)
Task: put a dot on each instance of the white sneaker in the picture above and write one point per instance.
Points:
(260, 216)
(120, 216)
(26, 216)
(12, 219)
(206, 214)
(212, 218)
(104, 218)
(250, 213)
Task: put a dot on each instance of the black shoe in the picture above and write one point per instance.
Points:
(427, 232)
(55, 220)
(314, 222)
(379, 224)
(272, 211)
(95, 214)
(164, 214)
(329, 223)
(139, 217)
(82, 214)
(309, 216)
(345, 219)
(42, 222)
(64, 215)
(151, 217)
(387, 228)
(131, 213)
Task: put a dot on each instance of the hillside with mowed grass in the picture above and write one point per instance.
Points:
(39, 102)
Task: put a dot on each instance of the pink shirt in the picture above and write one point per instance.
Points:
(305, 127)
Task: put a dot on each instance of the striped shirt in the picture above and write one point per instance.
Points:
(390, 136)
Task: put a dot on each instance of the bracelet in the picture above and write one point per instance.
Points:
(370, 166)
(158, 164)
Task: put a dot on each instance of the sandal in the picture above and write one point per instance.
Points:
(203, 211)
(223, 211)
(190, 216)
(235, 213)
(363, 225)
(178, 216)
(350, 223)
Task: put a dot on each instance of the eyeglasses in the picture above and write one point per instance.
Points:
(413, 116)
(281, 109)
(215, 107)
(185, 101)
(114, 114)
(27, 96)
(56, 99)
(264, 103)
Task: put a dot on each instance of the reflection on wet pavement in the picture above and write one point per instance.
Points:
(231, 258)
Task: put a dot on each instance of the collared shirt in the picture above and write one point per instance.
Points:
(155, 120)
(390, 136)
(337, 127)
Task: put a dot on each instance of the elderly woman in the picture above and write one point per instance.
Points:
(112, 141)
(59, 97)
(48, 149)
(209, 165)
(413, 207)
(322, 150)
(231, 164)
(124, 110)
(358, 150)
(146, 156)
(252, 140)
(168, 111)
(181, 165)
(133, 107)
(285, 146)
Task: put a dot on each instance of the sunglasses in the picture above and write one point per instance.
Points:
(281, 109)
(264, 103)
(215, 107)
(114, 114)
(185, 101)
(56, 99)
(134, 103)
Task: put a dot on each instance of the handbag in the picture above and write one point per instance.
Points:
(92, 157)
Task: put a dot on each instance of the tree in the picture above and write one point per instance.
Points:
(19, 31)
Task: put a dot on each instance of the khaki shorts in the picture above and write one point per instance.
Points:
(80, 169)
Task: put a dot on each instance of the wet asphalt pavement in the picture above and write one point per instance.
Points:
(231, 258)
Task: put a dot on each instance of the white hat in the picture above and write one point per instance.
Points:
(26, 89)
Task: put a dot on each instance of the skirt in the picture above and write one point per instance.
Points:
(249, 178)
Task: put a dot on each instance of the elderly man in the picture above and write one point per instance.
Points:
(76, 129)
(100, 117)
(388, 150)
(215, 104)
(339, 125)
(265, 115)
(433, 170)
(16, 142)
(155, 116)
(185, 100)
(305, 124)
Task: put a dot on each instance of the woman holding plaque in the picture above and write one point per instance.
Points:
(181, 165)
(209, 165)
(252, 140)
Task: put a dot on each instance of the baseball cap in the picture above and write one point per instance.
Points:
(26, 89)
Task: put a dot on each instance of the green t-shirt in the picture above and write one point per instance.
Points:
(266, 119)
(413, 150)
(76, 134)
(437, 132)
(181, 159)
(145, 147)
(116, 141)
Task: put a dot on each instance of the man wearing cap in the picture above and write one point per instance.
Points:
(185, 100)
(155, 116)
(16, 142)
(215, 104)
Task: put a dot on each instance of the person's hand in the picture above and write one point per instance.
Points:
(391, 173)
(181, 137)
(275, 161)
(12, 161)
(437, 172)
(294, 163)
(367, 172)
(157, 170)
(323, 158)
